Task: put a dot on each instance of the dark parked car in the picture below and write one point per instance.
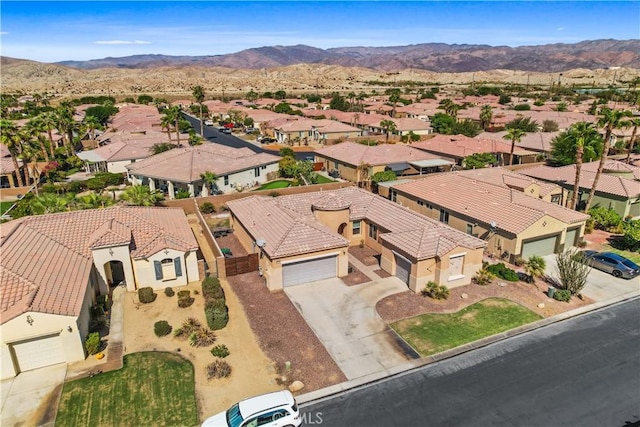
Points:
(613, 263)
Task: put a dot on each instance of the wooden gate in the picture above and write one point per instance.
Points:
(239, 265)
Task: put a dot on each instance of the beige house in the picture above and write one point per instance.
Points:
(304, 238)
(512, 216)
(54, 267)
(8, 177)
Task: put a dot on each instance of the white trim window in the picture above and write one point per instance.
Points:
(456, 267)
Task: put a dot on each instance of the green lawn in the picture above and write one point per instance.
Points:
(152, 389)
(324, 180)
(281, 183)
(4, 206)
(435, 333)
(633, 256)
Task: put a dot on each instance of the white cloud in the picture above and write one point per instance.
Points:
(560, 29)
(122, 42)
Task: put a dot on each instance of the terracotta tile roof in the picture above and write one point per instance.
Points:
(409, 124)
(4, 151)
(483, 202)
(186, 164)
(505, 177)
(353, 153)
(538, 141)
(6, 165)
(460, 146)
(277, 220)
(46, 260)
(332, 126)
(609, 184)
(296, 125)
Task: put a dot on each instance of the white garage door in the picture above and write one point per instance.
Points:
(309, 271)
(540, 247)
(39, 352)
(571, 238)
(403, 268)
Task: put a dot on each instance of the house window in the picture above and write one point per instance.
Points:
(335, 165)
(355, 228)
(168, 268)
(469, 228)
(256, 172)
(263, 167)
(373, 231)
(393, 195)
(456, 263)
(444, 216)
(226, 180)
(425, 204)
(556, 198)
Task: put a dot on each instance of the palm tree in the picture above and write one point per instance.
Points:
(198, 95)
(94, 200)
(581, 133)
(66, 125)
(174, 115)
(514, 135)
(48, 122)
(609, 119)
(34, 129)
(10, 136)
(210, 179)
(167, 123)
(486, 115)
(140, 195)
(388, 126)
(635, 122)
(48, 203)
(535, 267)
(91, 123)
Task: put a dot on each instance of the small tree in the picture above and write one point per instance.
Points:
(534, 267)
(573, 269)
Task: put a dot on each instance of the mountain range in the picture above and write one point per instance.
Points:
(435, 57)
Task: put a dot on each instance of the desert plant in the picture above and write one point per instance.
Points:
(179, 333)
(202, 337)
(217, 317)
(218, 369)
(563, 295)
(483, 277)
(519, 261)
(503, 272)
(146, 295)
(162, 328)
(211, 288)
(93, 343)
(534, 267)
(573, 270)
(631, 238)
(189, 325)
(435, 291)
(605, 219)
(168, 291)
(220, 351)
(207, 208)
(184, 299)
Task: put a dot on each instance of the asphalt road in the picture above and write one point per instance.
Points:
(212, 134)
(584, 371)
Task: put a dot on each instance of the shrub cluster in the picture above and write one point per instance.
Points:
(146, 295)
(162, 328)
(202, 337)
(435, 291)
(207, 208)
(220, 351)
(562, 295)
(168, 291)
(92, 344)
(503, 272)
(218, 369)
(483, 277)
(605, 219)
(215, 308)
(184, 298)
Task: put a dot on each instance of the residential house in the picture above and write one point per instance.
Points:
(304, 238)
(182, 168)
(539, 142)
(8, 177)
(53, 268)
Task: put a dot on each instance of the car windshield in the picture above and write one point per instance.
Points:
(630, 264)
(234, 418)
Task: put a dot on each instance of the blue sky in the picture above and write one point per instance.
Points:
(80, 30)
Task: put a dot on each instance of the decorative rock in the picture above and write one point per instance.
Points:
(502, 284)
(296, 386)
(541, 305)
(464, 296)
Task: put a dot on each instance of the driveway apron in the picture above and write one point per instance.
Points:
(346, 322)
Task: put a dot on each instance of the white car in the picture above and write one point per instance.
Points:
(278, 409)
(208, 122)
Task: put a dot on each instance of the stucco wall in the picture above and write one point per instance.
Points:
(120, 253)
(118, 167)
(145, 273)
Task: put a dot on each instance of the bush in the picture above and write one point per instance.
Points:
(220, 351)
(573, 270)
(184, 299)
(207, 208)
(631, 239)
(168, 291)
(202, 337)
(162, 328)
(563, 295)
(190, 324)
(92, 344)
(522, 107)
(218, 369)
(146, 295)
(605, 219)
(211, 288)
(435, 291)
(503, 272)
(535, 267)
(185, 293)
(483, 277)
(217, 317)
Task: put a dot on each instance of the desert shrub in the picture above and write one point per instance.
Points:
(589, 226)
(573, 270)
(217, 317)
(535, 267)
(92, 344)
(146, 295)
(211, 288)
(189, 325)
(562, 295)
(220, 351)
(605, 219)
(522, 107)
(483, 277)
(274, 194)
(169, 291)
(503, 272)
(435, 291)
(631, 239)
(202, 337)
(184, 299)
(179, 333)
(185, 293)
(218, 369)
(207, 208)
(162, 328)
(519, 261)
(219, 303)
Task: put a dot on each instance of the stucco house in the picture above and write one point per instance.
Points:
(511, 215)
(303, 238)
(182, 168)
(53, 268)
(8, 177)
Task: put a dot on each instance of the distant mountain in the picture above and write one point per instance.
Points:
(436, 57)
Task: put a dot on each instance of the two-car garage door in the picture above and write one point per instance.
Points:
(307, 271)
(540, 247)
(38, 352)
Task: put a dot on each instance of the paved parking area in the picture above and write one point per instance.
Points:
(346, 322)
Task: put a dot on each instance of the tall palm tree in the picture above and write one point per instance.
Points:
(514, 135)
(388, 126)
(140, 195)
(34, 129)
(167, 123)
(10, 136)
(635, 122)
(48, 122)
(486, 115)
(91, 124)
(198, 95)
(66, 125)
(609, 120)
(210, 179)
(174, 114)
(581, 133)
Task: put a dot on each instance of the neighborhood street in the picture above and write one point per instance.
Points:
(582, 371)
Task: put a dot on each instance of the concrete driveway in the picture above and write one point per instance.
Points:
(600, 286)
(346, 322)
(31, 398)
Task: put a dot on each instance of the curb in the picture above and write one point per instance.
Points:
(310, 397)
